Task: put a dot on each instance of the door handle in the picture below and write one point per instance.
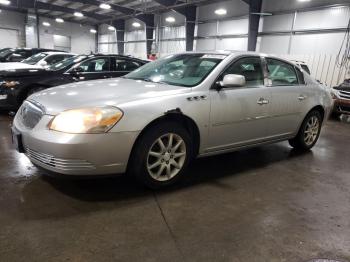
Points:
(262, 101)
(301, 97)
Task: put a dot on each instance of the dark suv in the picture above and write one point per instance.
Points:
(19, 54)
(17, 85)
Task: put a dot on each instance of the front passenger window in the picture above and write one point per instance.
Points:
(250, 68)
(96, 65)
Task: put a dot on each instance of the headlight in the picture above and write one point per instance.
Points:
(334, 93)
(9, 84)
(86, 120)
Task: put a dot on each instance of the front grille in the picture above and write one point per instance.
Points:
(344, 94)
(30, 114)
(59, 163)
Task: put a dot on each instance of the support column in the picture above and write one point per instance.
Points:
(148, 19)
(190, 13)
(32, 31)
(254, 20)
(120, 28)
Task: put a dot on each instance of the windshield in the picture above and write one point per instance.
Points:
(67, 62)
(6, 52)
(34, 59)
(181, 70)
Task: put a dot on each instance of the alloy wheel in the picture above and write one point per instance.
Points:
(166, 157)
(311, 130)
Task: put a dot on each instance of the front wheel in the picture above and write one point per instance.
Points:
(309, 132)
(161, 155)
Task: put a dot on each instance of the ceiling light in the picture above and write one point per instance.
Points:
(221, 11)
(78, 14)
(46, 24)
(304, 0)
(4, 2)
(111, 28)
(136, 24)
(59, 20)
(170, 19)
(93, 31)
(105, 6)
(262, 14)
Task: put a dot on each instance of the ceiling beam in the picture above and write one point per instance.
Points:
(119, 8)
(168, 3)
(32, 4)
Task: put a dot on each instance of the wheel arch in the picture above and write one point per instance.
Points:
(176, 116)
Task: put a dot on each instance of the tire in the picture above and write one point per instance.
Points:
(155, 166)
(309, 132)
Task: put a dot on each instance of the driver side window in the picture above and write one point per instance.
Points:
(250, 68)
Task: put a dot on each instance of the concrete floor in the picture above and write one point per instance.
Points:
(264, 204)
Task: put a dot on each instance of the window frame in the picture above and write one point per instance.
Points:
(282, 61)
(88, 60)
(236, 59)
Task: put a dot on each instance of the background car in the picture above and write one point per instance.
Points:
(341, 96)
(155, 120)
(19, 54)
(39, 60)
(17, 85)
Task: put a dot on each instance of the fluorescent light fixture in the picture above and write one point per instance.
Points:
(59, 20)
(170, 19)
(78, 14)
(262, 14)
(46, 24)
(304, 0)
(111, 28)
(93, 31)
(4, 2)
(221, 11)
(136, 24)
(105, 6)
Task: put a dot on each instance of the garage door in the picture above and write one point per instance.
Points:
(9, 38)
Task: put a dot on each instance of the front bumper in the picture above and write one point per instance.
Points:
(7, 99)
(76, 154)
(342, 106)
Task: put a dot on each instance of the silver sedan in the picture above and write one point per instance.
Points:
(154, 121)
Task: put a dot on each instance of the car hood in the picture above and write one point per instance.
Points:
(113, 92)
(16, 65)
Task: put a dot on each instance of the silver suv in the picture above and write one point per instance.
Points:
(155, 120)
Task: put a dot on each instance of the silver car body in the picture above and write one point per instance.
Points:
(227, 120)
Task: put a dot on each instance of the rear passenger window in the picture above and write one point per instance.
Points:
(281, 73)
(122, 65)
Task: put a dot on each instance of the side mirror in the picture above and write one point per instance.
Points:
(232, 80)
(77, 70)
(42, 63)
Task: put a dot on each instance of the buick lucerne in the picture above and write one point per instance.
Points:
(152, 122)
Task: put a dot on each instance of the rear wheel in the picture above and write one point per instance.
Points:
(162, 155)
(309, 132)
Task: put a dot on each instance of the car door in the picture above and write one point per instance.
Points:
(287, 97)
(239, 115)
(122, 66)
(95, 68)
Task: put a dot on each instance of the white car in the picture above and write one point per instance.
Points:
(40, 60)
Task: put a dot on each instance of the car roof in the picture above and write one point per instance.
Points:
(58, 53)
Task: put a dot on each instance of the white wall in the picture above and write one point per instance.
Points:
(137, 49)
(107, 40)
(318, 48)
(82, 41)
(12, 27)
(175, 31)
